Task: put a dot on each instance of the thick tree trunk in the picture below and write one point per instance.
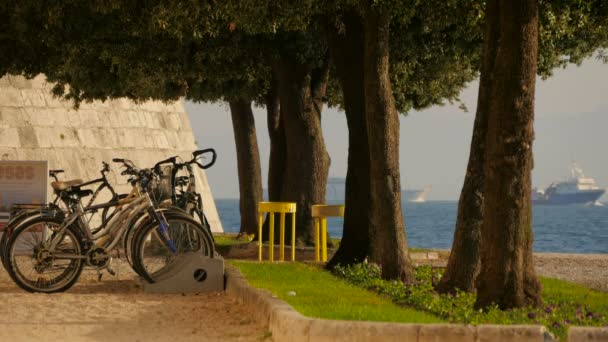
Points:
(347, 55)
(388, 242)
(463, 265)
(507, 275)
(301, 92)
(248, 163)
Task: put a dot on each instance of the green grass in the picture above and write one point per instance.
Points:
(358, 293)
(555, 290)
(565, 304)
(224, 240)
(320, 294)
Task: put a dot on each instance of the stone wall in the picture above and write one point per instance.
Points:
(34, 125)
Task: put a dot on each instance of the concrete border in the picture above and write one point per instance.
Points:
(286, 324)
(579, 334)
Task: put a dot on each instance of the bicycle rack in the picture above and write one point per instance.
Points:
(190, 273)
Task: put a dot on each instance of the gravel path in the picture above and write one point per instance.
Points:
(587, 269)
(116, 309)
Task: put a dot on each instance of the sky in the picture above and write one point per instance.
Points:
(571, 125)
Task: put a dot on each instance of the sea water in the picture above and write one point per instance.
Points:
(563, 229)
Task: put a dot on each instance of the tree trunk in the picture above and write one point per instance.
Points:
(388, 242)
(248, 163)
(301, 92)
(347, 54)
(507, 275)
(463, 265)
(277, 160)
(276, 132)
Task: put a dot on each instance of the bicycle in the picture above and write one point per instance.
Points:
(21, 212)
(147, 261)
(183, 188)
(57, 250)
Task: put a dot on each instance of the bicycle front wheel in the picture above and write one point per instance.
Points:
(155, 251)
(36, 267)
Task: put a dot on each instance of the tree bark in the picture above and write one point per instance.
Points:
(248, 163)
(347, 54)
(387, 234)
(463, 264)
(301, 93)
(276, 132)
(507, 275)
(278, 155)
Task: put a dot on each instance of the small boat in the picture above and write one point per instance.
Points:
(576, 189)
(417, 196)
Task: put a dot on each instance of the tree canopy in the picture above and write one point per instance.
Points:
(211, 51)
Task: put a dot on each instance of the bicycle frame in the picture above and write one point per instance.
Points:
(104, 184)
(129, 209)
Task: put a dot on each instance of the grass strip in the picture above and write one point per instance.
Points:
(315, 292)
(565, 304)
(226, 240)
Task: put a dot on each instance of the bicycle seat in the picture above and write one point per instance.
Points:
(75, 190)
(60, 186)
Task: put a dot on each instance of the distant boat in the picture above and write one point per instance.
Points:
(417, 196)
(336, 190)
(576, 189)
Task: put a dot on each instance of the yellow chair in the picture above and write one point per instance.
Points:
(320, 214)
(272, 208)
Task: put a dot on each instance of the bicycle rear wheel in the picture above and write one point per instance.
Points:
(36, 268)
(154, 252)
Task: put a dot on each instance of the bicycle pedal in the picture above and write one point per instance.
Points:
(111, 271)
(99, 275)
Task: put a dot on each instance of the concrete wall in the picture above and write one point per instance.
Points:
(36, 126)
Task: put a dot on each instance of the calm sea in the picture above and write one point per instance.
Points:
(566, 229)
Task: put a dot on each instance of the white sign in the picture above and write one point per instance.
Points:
(22, 182)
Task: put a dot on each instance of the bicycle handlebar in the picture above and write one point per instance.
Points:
(171, 160)
(196, 154)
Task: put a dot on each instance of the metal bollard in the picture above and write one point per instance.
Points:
(272, 208)
(320, 214)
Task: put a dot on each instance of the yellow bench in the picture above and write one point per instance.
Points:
(272, 208)
(320, 214)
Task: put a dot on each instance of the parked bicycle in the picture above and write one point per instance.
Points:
(21, 212)
(47, 253)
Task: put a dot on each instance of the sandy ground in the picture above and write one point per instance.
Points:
(116, 309)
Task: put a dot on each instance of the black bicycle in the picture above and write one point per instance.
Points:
(182, 189)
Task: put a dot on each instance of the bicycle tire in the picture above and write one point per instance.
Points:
(12, 224)
(61, 282)
(151, 254)
(168, 212)
(138, 221)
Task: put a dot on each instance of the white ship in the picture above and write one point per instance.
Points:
(576, 189)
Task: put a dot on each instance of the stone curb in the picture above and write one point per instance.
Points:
(576, 334)
(286, 324)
